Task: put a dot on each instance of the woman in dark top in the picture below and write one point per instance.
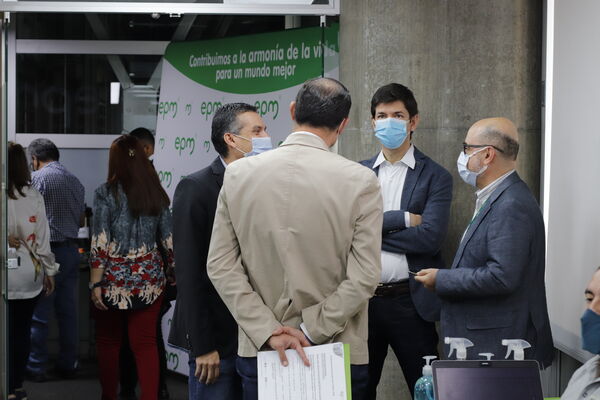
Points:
(131, 212)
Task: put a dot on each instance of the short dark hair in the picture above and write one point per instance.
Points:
(225, 121)
(395, 92)
(144, 135)
(18, 171)
(44, 150)
(508, 145)
(322, 102)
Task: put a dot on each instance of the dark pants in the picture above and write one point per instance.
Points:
(64, 302)
(394, 321)
(19, 325)
(141, 327)
(246, 367)
(127, 368)
(227, 386)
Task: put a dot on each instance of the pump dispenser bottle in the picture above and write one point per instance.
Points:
(424, 386)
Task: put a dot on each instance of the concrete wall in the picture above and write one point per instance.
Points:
(464, 60)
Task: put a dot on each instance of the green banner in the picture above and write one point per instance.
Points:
(257, 63)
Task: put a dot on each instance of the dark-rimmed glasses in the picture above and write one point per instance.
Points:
(479, 146)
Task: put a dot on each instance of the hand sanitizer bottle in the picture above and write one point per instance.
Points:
(460, 345)
(424, 386)
(517, 346)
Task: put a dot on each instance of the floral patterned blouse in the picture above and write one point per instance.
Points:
(27, 222)
(126, 248)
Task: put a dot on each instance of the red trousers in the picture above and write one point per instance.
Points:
(141, 327)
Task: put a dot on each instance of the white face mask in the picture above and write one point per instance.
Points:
(259, 145)
(465, 173)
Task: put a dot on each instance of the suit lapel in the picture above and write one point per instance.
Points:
(485, 209)
(412, 176)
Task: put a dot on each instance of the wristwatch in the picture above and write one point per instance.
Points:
(92, 285)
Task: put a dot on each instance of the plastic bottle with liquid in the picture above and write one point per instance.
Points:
(424, 386)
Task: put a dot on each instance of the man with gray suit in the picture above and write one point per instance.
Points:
(295, 248)
(495, 289)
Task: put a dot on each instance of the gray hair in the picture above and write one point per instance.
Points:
(509, 147)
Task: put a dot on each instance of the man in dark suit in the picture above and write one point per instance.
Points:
(417, 194)
(201, 322)
(495, 288)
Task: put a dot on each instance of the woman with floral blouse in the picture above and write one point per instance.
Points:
(33, 269)
(131, 215)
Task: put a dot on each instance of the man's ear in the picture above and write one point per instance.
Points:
(228, 138)
(293, 111)
(343, 125)
(414, 122)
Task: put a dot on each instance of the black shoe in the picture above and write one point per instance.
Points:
(127, 396)
(163, 394)
(37, 377)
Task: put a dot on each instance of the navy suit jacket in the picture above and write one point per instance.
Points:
(427, 191)
(495, 289)
(201, 321)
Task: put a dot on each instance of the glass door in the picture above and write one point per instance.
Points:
(3, 221)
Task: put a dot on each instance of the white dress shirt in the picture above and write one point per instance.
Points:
(394, 266)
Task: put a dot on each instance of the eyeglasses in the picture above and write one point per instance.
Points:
(479, 146)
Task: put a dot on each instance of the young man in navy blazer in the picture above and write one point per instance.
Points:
(417, 193)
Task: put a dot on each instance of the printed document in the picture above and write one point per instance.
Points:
(327, 378)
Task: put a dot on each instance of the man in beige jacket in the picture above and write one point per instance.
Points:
(295, 249)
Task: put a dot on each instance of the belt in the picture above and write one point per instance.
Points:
(64, 243)
(393, 289)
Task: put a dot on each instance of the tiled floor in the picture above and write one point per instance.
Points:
(87, 387)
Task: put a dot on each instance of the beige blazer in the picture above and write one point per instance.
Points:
(297, 239)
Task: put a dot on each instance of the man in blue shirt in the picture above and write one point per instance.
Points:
(64, 199)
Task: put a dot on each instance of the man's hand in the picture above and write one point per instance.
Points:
(415, 219)
(208, 367)
(427, 277)
(297, 333)
(284, 341)
(48, 285)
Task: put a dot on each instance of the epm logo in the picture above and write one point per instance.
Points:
(267, 107)
(185, 144)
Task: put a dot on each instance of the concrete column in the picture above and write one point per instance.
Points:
(464, 60)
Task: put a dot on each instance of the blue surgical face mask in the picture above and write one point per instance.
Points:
(590, 331)
(465, 173)
(391, 132)
(259, 145)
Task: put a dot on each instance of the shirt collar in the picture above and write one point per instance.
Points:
(307, 133)
(484, 193)
(223, 161)
(408, 159)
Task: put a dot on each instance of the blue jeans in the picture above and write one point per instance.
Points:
(246, 367)
(64, 299)
(227, 386)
